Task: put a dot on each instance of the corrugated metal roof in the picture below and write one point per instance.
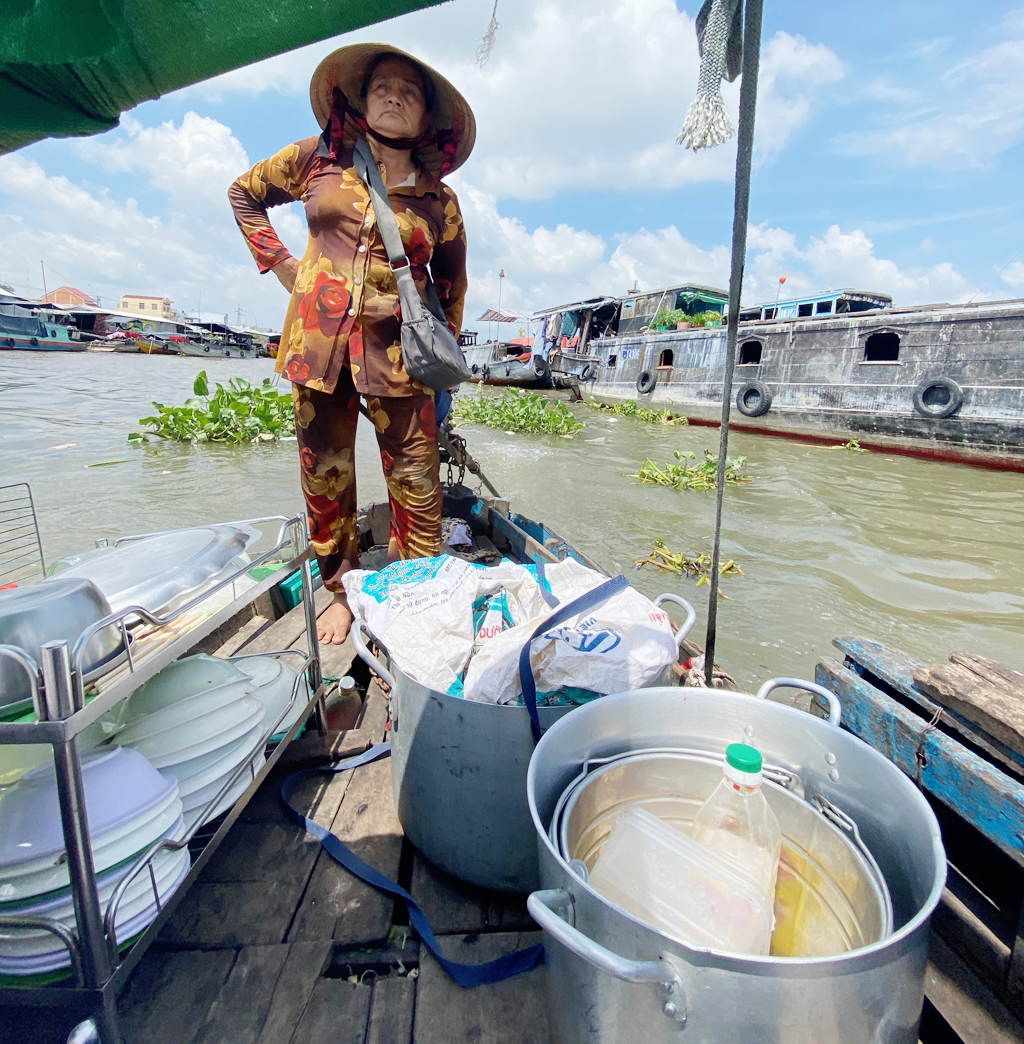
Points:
(504, 315)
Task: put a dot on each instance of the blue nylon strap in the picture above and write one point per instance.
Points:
(577, 605)
(461, 974)
(545, 587)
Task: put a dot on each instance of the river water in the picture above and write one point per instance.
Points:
(924, 556)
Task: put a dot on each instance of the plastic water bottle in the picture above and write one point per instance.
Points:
(737, 823)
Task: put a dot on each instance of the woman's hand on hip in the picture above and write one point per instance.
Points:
(286, 272)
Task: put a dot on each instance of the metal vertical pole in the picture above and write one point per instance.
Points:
(75, 820)
(313, 672)
(744, 153)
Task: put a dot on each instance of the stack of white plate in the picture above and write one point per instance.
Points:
(198, 720)
(130, 805)
(274, 682)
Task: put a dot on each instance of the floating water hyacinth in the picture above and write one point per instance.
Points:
(518, 411)
(236, 412)
(702, 476)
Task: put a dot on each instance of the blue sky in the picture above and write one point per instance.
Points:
(888, 158)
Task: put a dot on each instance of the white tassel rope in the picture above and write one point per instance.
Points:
(707, 122)
(486, 45)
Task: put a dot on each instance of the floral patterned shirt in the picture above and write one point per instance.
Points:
(344, 310)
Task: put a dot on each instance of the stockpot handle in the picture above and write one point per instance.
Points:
(543, 907)
(366, 656)
(691, 615)
(835, 708)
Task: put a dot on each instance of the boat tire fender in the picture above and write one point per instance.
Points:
(540, 366)
(206, 348)
(34, 341)
(589, 372)
(754, 399)
(646, 381)
(938, 397)
(487, 373)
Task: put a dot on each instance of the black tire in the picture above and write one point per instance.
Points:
(540, 366)
(487, 373)
(646, 381)
(754, 399)
(938, 397)
(34, 341)
(474, 368)
(207, 348)
(589, 372)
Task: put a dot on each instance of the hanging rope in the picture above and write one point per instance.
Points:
(486, 45)
(744, 152)
(720, 42)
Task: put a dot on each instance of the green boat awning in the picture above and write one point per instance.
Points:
(71, 67)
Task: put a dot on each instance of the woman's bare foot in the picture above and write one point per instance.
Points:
(335, 621)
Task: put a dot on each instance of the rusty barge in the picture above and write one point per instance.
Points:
(939, 381)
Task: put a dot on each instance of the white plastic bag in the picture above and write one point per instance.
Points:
(422, 610)
(623, 643)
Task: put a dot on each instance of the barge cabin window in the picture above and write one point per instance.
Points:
(882, 347)
(823, 308)
(805, 310)
(750, 353)
(612, 360)
(667, 360)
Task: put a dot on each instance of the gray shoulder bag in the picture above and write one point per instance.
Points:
(430, 350)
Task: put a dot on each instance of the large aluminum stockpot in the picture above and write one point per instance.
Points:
(613, 979)
(459, 776)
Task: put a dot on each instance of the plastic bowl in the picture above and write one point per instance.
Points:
(178, 681)
(120, 783)
(275, 689)
(218, 762)
(193, 815)
(201, 795)
(215, 729)
(37, 882)
(188, 709)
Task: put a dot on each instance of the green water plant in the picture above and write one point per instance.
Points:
(518, 411)
(853, 446)
(236, 412)
(667, 318)
(689, 473)
(693, 564)
(640, 413)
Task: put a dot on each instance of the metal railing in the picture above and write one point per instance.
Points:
(63, 712)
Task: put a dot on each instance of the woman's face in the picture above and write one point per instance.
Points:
(395, 105)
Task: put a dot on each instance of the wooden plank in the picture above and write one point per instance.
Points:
(284, 633)
(335, 660)
(170, 993)
(509, 1012)
(967, 783)
(974, 1013)
(896, 669)
(456, 908)
(240, 1009)
(299, 975)
(996, 707)
(374, 719)
(312, 748)
(970, 936)
(337, 905)
(337, 1013)
(391, 1010)
(990, 670)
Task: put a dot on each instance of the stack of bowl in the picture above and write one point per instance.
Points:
(197, 720)
(274, 682)
(130, 805)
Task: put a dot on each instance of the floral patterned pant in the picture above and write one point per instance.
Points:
(407, 436)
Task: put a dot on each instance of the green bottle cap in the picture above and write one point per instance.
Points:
(743, 757)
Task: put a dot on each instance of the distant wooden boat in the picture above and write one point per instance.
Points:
(509, 364)
(24, 327)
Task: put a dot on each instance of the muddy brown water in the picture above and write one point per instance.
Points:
(924, 556)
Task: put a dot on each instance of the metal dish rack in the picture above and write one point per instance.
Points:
(98, 969)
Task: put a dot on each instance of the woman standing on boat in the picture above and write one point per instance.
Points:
(342, 331)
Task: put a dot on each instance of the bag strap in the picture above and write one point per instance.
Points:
(368, 171)
(587, 601)
(503, 967)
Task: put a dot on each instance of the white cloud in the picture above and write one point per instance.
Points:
(965, 115)
(583, 94)
(110, 247)
(1013, 275)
